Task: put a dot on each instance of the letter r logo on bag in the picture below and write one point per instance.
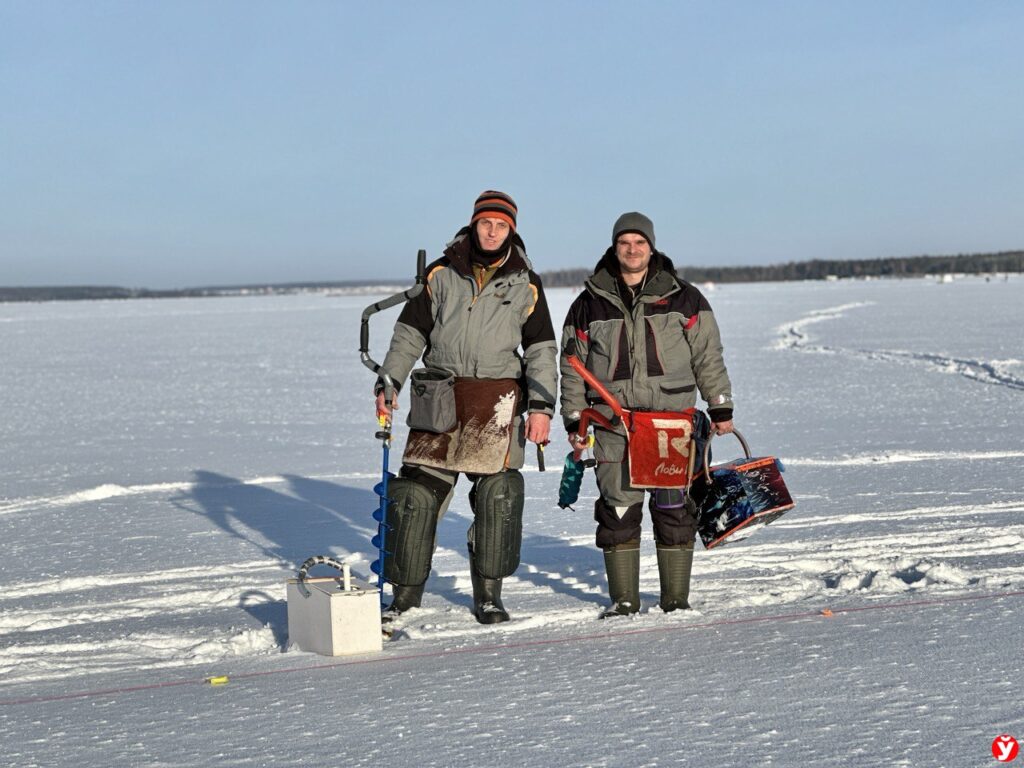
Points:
(680, 430)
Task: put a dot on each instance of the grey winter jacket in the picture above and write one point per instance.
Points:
(654, 355)
(476, 333)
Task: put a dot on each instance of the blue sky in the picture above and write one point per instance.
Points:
(189, 143)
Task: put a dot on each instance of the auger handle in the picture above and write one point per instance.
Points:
(390, 301)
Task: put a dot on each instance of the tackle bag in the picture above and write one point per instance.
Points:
(734, 499)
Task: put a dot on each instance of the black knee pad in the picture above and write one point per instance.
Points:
(440, 486)
(674, 516)
(412, 526)
(497, 533)
(613, 530)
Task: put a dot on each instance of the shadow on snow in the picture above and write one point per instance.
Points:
(321, 517)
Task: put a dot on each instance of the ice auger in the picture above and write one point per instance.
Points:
(384, 419)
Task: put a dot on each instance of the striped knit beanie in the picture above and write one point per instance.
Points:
(495, 205)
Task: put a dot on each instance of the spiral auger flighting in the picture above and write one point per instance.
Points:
(381, 513)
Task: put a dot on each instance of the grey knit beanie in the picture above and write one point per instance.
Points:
(634, 222)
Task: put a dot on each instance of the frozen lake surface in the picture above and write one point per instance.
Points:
(167, 465)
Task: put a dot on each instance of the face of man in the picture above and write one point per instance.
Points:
(634, 254)
(491, 233)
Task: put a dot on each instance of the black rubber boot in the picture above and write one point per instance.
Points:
(403, 598)
(674, 565)
(487, 607)
(622, 563)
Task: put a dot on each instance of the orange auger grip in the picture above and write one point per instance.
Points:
(588, 415)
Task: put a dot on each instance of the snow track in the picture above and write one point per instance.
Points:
(165, 577)
(934, 548)
(903, 457)
(794, 336)
(939, 550)
(38, 662)
(43, 624)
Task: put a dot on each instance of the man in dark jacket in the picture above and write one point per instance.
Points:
(482, 303)
(651, 339)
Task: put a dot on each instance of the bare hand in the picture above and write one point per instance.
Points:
(723, 427)
(383, 408)
(538, 427)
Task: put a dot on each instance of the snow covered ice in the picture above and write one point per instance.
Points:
(168, 464)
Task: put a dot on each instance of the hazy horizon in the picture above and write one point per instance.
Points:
(400, 279)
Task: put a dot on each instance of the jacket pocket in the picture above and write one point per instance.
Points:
(609, 447)
(677, 389)
(674, 394)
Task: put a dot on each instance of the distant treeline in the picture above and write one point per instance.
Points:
(80, 292)
(77, 292)
(818, 269)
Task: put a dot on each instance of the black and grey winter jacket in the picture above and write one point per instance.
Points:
(653, 354)
(476, 332)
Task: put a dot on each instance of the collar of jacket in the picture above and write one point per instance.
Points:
(458, 254)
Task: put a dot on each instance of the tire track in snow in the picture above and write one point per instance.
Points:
(794, 336)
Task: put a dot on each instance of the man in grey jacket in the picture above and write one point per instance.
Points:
(482, 303)
(651, 339)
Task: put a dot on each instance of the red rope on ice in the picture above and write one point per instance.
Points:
(385, 659)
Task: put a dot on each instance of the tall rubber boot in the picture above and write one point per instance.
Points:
(403, 598)
(622, 564)
(487, 606)
(674, 565)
